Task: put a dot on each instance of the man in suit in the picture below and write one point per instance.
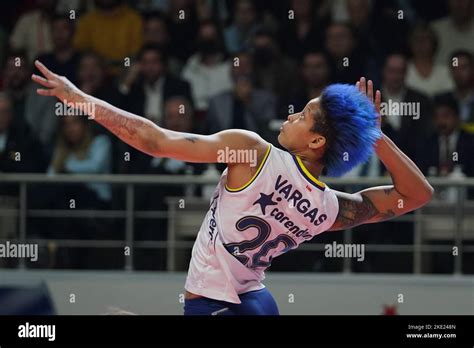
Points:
(449, 146)
(462, 71)
(154, 85)
(244, 107)
(20, 151)
(404, 129)
(147, 96)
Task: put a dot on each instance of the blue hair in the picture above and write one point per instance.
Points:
(353, 129)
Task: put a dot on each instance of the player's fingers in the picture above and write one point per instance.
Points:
(378, 100)
(45, 92)
(44, 70)
(43, 82)
(370, 90)
(363, 86)
(357, 85)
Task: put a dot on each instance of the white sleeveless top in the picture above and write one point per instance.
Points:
(282, 206)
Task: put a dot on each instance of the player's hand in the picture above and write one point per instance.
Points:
(367, 88)
(56, 86)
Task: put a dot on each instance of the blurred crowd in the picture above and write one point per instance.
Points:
(208, 65)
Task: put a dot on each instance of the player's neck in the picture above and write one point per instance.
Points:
(314, 166)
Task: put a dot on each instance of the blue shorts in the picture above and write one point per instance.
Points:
(259, 302)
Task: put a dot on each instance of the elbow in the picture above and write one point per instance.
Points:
(426, 195)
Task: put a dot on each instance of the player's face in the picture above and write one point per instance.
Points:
(296, 134)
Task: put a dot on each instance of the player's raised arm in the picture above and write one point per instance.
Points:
(143, 134)
(410, 189)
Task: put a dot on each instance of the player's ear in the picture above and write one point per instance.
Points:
(317, 142)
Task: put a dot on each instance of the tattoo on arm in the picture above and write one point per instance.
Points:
(135, 131)
(353, 213)
(191, 139)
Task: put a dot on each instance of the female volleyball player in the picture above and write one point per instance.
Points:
(259, 212)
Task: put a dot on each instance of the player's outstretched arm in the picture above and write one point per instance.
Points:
(410, 189)
(143, 134)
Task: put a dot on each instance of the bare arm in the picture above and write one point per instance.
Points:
(410, 189)
(143, 134)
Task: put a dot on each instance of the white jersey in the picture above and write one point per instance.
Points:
(282, 206)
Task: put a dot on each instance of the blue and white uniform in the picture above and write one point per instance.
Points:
(282, 206)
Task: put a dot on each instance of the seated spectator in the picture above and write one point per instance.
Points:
(239, 35)
(92, 78)
(154, 86)
(178, 116)
(17, 82)
(300, 33)
(64, 60)
(373, 22)
(456, 31)
(404, 128)
(156, 32)
(79, 151)
(423, 73)
(32, 32)
(347, 64)
(450, 146)
(273, 71)
(39, 110)
(244, 107)
(183, 28)
(20, 151)
(315, 76)
(463, 76)
(113, 30)
(147, 96)
(208, 71)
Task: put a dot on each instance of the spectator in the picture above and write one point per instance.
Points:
(20, 151)
(404, 129)
(463, 75)
(375, 21)
(183, 27)
(113, 31)
(273, 71)
(239, 35)
(154, 86)
(315, 75)
(299, 33)
(347, 64)
(423, 73)
(17, 82)
(32, 32)
(244, 107)
(456, 31)
(207, 71)
(79, 151)
(64, 60)
(450, 146)
(178, 116)
(156, 32)
(92, 78)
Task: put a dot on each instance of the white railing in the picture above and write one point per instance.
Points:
(461, 210)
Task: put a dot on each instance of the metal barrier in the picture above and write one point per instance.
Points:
(130, 214)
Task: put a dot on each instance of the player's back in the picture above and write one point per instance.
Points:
(282, 206)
